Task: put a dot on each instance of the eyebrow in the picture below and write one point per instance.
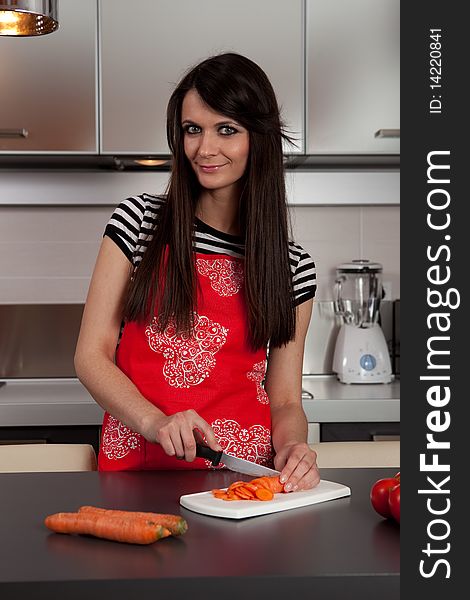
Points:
(189, 121)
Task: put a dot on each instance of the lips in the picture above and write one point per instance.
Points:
(210, 168)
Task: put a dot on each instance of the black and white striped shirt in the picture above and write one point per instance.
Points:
(133, 222)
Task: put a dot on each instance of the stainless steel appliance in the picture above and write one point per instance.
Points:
(361, 352)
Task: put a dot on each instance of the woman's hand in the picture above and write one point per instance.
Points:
(298, 466)
(177, 434)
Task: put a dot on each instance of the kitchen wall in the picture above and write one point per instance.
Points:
(47, 252)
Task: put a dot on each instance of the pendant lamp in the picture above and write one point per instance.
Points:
(28, 17)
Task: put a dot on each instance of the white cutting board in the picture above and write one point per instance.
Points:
(206, 504)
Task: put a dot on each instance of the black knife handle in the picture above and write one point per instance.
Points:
(209, 454)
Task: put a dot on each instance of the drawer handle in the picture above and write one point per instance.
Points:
(14, 133)
(387, 133)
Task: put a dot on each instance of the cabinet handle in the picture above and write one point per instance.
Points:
(387, 133)
(14, 133)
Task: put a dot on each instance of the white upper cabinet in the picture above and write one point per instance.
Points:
(146, 46)
(353, 77)
(48, 86)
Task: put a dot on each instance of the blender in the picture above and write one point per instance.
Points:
(361, 352)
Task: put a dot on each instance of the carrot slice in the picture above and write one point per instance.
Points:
(264, 494)
(260, 482)
(249, 492)
(260, 488)
(270, 483)
(242, 494)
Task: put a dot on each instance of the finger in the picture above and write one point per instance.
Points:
(177, 442)
(290, 460)
(309, 480)
(189, 442)
(208, 434)
(198, 436)
(298, 465)
(165, 442)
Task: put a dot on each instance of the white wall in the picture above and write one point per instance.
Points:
(47, 252)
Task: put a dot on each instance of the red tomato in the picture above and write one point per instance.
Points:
(379, 495)
(394, 502)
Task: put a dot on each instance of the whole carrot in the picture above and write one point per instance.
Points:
(175, 524)
(119, 529)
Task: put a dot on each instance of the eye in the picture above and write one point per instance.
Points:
(227, 130)
(191, 129)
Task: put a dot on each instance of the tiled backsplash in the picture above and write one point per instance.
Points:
(47, 253)
(338, 234)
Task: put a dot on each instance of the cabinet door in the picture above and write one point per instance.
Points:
(48, 86)
(353, 79)
(146, 49)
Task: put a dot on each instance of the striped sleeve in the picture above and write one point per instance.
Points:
(304, 277)
(125, 223)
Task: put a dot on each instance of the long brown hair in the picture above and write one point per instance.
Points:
(238, 88)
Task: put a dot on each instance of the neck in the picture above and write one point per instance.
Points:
(219, 210)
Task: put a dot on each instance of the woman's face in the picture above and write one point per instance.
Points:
(216, 146)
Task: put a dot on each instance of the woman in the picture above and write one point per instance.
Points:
(194, 285)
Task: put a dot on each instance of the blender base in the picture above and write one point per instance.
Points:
(361, 355)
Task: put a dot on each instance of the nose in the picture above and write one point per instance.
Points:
(208, 145)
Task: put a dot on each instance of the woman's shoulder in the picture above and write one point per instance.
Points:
(133, 221)
(133, 209)
(304, 275)
(145, 202)
(299, 256)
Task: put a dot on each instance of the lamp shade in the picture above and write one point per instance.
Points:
(22, 18)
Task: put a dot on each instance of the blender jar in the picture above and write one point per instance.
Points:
(358, 292)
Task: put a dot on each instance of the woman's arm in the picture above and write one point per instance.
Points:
(283, 384)
(109, 386)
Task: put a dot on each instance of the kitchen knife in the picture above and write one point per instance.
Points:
(233, 463)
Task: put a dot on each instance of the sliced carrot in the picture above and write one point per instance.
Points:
(248, 492)
(261, 488)
(219, 493)
(264, 494)
(251, 486)
(275, 485)
(260, 482)
(174, 523)
(270, 483)
(242, 494)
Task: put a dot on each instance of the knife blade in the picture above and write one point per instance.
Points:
(233, 463)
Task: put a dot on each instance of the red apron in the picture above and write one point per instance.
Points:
(213, 372)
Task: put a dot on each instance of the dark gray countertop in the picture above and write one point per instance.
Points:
(336, 549)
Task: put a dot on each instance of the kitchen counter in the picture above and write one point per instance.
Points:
(336, 549)
(51, 402)
(335, 402)
(47, 402)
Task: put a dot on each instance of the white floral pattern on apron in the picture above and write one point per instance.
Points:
(257, 375)
(226, 276)
(188, 360)
(252, 443)
(118, 440)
